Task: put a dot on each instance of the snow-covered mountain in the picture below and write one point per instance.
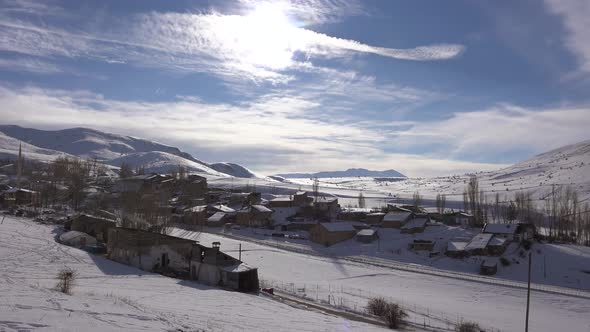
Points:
(89, 143)
(236, 170)
(9, 150)
(351, 172)
(112, 149)
(162, 162)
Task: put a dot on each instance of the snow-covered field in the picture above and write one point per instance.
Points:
(112, 297)
(490, 305)
(556, 265)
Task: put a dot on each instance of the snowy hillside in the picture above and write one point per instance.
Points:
(236, 170)
(108, 296)
(9, 149)
(351, 172)
(566, 166)
(88, 143)
(162, 162)
(114, 149)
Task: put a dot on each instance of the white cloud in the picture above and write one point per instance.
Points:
(502, 129)
(271, 134)
(575, 15)
(32, 65)
(260, 44)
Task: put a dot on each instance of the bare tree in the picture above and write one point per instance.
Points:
(362, 203)
(125, 171)
(417, 199)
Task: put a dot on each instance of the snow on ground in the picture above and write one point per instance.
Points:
(112, 297)
(557, 265)
(493, 306)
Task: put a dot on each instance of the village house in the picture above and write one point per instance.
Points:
(404, 208)
(95, 226)
(77, 239)
(19, 196)
(327, 207)
(510, 232)
(218, 219)
(196, 215)
(180, 257)
(149, 251)
(488, 268)
(302, 199)
(417, 225)
(367, 235)
(254, 216)
(331, 233)
(396, 219)
(212, 209)
(479, 244)
(215, 268)
(456, 249)
(458, 218)
(497, 246)
(139, 183)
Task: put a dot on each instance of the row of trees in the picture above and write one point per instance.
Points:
(559, 215)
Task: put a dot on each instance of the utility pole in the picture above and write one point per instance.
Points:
(240, 252)
(528, 297)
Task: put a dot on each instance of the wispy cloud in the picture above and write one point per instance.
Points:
(575, 14)
(500, 130)
(33, 65)
(274, 134)
(262, 44)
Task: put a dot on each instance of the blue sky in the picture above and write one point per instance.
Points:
(423, 87)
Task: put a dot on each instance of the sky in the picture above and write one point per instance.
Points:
(424, 87)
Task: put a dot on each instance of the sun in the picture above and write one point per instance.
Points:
(266, 37)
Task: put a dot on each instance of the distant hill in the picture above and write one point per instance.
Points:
(351, 172)
(234, 170)
(111, 149)
(162, 162)
(9, 150)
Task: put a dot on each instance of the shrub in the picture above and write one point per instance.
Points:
(377, 306)
(394, 316)
(468, 327)
(391, 313)
(504, 261)
(65, 280)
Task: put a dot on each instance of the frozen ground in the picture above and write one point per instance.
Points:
(557, 265)
(114, 297)
(353, 283)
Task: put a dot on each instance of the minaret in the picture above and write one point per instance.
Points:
(19, 165)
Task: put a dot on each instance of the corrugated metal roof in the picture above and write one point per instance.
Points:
(480, 241)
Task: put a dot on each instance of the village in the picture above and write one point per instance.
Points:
(127, 216)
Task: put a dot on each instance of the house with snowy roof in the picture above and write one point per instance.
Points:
(329, 233)
(254, 216)
(396, 219)
(510, 232)
(417, 225)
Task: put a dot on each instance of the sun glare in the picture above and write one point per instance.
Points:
(267, 37)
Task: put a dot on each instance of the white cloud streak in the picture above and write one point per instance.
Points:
(575, 15)
(260, 45)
